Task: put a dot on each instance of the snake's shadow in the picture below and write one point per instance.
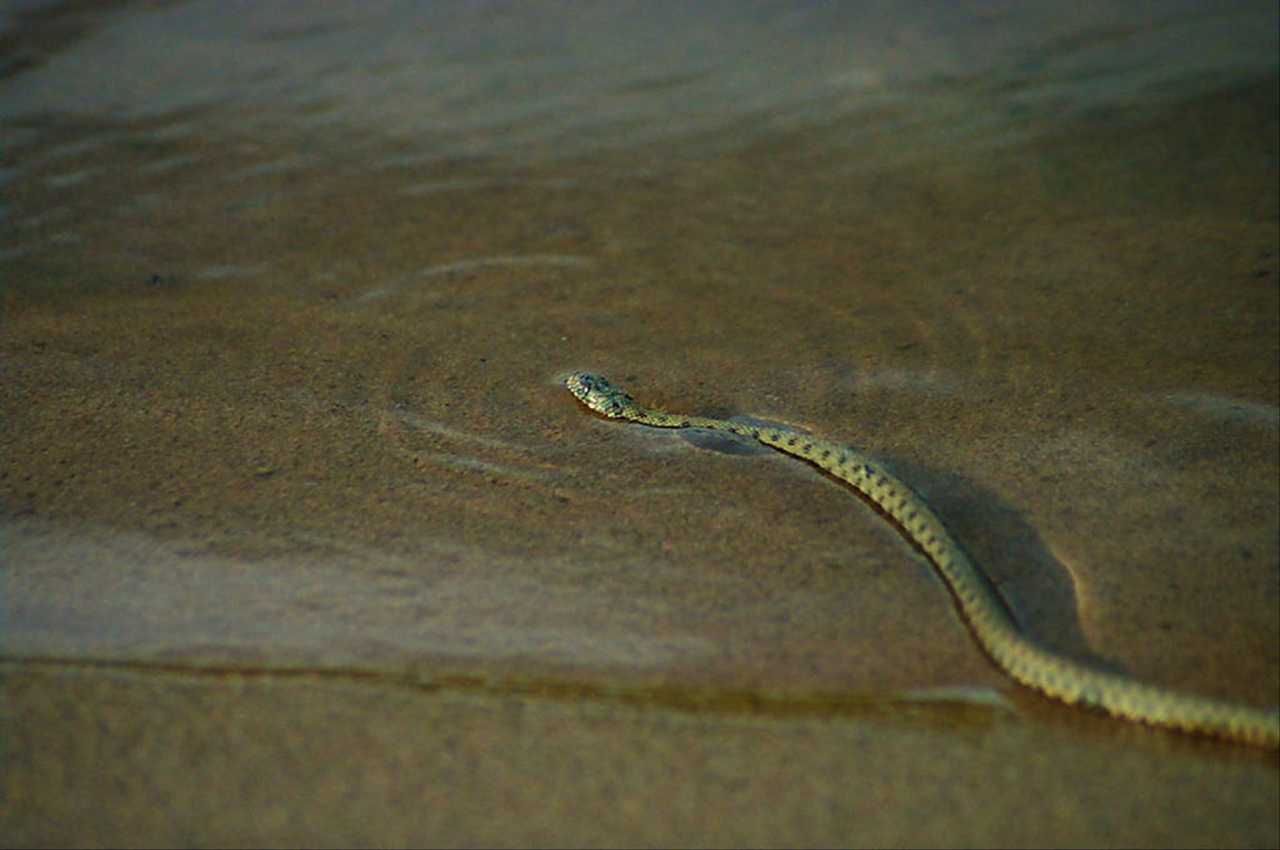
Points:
(1036, 588)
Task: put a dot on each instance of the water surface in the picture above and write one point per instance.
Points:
(288, 290)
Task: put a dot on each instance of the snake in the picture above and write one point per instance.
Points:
(980, 606)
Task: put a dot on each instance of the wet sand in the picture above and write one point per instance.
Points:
(304, 543)
(308, 761)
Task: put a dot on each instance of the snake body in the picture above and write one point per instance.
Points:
(982, 609)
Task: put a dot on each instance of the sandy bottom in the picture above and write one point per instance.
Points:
(243, 761)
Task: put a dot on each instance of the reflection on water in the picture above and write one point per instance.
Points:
(499, 80)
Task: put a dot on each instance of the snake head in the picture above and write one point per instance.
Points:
(597, 393)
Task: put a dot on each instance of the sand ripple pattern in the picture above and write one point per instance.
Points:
(982, 608)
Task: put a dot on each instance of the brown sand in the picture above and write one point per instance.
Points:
(304, 543)
(159, 760)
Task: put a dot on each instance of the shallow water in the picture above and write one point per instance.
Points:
(288, 290)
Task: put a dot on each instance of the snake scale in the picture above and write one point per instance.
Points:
(988, 618)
